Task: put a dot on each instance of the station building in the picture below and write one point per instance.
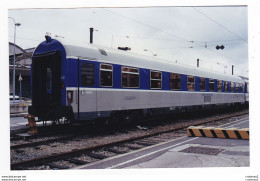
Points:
(23, 60)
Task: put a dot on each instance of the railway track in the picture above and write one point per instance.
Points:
(90, 149)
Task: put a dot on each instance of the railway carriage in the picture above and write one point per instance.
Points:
(84, 82)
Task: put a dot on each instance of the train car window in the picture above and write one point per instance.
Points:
(237, 87)
(202, 84)
(246, 88)
(211, 85)
(241, 88)
(232, 86)
(106, 75)
(175, 81)
(87, 74)
(130, 77)
(155, 80)
(48, 79)
(191, 83)
(225, 86)
(219, 86)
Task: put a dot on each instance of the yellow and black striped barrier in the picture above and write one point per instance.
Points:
(213, 132)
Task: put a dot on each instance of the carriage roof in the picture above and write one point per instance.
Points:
(108, 55)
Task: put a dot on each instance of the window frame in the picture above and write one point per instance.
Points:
(81, 83)
(237, 87)
(193, 89)
(232, 86)
(133, 73)
(155, 79)
(201, 78)
(210, 83)
(173, 79)
(48, 79)
(241, 87)
(106, 70)
(219, 85)
(226, 86)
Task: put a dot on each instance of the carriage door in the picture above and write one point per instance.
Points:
(46, 82)
(87, 93)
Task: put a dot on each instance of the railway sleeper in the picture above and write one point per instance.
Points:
(76, 161)
(133, 147)
(154, 140)
(19, 151)
(56, 166)
(115, 151)
(96, 156)
(145, 143)
(18, 168)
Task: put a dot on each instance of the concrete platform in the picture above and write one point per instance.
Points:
(184, 152)
(201, 152)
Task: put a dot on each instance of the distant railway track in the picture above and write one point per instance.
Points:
(100, 147)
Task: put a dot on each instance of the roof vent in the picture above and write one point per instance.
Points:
(48, 36)
(103, 52)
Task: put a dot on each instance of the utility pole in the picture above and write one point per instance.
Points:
(15, 24)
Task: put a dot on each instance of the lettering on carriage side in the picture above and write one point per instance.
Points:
(89, 92)
(130, 97)
(207, 95)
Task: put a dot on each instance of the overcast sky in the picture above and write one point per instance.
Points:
(177, 34)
